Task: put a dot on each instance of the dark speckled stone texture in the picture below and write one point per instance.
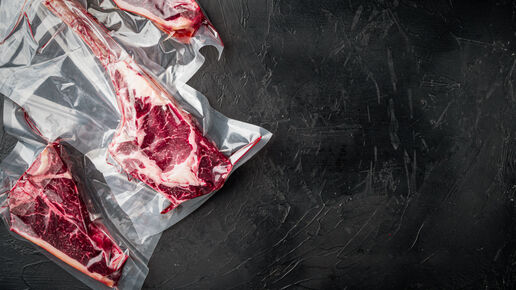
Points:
(392, 165)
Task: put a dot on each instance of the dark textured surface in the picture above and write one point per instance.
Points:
(392, 164)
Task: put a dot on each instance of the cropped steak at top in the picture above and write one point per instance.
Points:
(177, 18)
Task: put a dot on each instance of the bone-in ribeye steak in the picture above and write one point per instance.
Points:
(46, 208)
(178, 18)
(156, 142)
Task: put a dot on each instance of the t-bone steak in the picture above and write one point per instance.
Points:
(156, 141)
(46, 208)
(178, 18)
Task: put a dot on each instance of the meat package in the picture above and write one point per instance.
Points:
(46, 208)
(104, 84)
(156, 142)
(178, 18)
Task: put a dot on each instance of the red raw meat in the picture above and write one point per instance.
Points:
(156, 142)
(178, 18)
(46, 208)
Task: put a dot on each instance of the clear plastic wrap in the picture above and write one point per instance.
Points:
(47, 200)
(167, 56)
(48, 70)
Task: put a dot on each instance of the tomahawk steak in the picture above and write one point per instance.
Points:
(46, 208)
(156, 141)
(177, 18)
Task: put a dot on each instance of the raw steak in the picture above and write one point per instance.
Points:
(177, 18)
(156, 142)
(46, 208)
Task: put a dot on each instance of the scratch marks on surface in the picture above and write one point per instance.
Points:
(300, 282)
(356, 18)
(393, 126)
(428, 257)
(460, 40)
(341, 251)
(339, 48)
(443, 114)
(289, 269)
(286, 236)
(509, 80)
(376, 86)
(400, 29)
(411, 104)
(394, 78)
(417, 236)
(244, 18)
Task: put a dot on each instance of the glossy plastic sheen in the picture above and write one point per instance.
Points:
(46, 199)
(156, 142)
(46, 208)
(178, 18)
(50, 72)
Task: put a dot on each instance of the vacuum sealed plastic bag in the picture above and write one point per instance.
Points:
(181, 19)
(46, 208)
(156, 141)
(170, 54)
(47, 200)
(153, 128)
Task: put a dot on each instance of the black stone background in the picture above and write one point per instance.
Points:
(392, 165)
